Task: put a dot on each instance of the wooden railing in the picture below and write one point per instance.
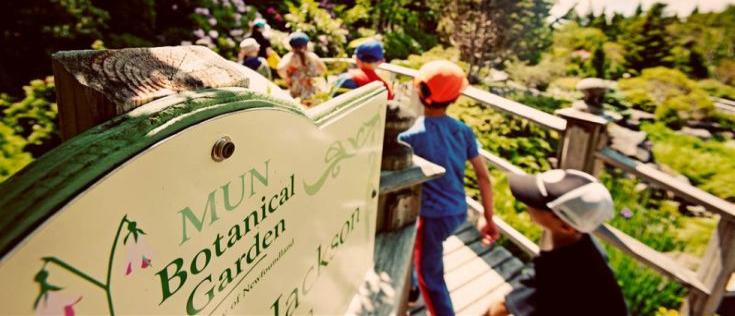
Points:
(582, 137)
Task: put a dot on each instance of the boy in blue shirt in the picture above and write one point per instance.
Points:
(449, 143)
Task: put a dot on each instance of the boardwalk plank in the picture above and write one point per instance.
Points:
(480, 306)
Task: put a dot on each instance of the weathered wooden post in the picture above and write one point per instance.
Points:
(586, 129)
(205, 198)
(95, 86)
(715, 271)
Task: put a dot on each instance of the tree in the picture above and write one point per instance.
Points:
(598, 62)
(697, 68)
(32, 30)
(647, 41)
(490, 32)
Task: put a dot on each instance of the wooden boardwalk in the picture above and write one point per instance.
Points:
(476, 276)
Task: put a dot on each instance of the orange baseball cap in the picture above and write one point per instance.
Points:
(443, 79)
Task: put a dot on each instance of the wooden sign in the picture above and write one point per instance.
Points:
(136, 217)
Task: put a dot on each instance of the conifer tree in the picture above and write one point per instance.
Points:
(647, 43)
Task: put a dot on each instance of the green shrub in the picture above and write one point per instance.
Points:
(717, 89)
(537, 76)
(416, 61)
(222, 26)
(399, 45)
(708, 164)
(725, 72)
(12, 156)
(668, 93)
(675, 111)
(34, 118)
(327, 33)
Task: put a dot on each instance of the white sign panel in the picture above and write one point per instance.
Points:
(285, 226)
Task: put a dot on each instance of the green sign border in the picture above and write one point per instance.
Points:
(38, 191)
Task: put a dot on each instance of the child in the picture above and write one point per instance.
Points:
(258, 33)
(368, 56)
(248, 56)
(448, 143)
(300, 66)
(573, 277)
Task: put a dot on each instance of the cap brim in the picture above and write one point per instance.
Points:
(524, 188)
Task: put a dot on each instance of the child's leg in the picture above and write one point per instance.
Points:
(429, 264)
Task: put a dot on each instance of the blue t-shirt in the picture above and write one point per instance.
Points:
(449, 143)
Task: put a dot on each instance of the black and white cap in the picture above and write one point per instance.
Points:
(578, 198)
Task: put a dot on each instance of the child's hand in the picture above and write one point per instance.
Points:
(490, 233)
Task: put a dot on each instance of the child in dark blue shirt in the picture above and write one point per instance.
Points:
(450, 144)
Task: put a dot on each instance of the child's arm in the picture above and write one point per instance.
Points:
(489, 231)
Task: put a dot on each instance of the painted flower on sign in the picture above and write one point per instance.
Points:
(139, 253)
(49, 300)
(57, 304)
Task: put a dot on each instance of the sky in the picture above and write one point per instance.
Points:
(678, 7)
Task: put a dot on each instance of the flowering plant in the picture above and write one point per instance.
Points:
(222, 25)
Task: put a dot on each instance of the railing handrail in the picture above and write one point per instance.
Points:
(684, 190)
(629, 245)
(706, 286)
(511, 107)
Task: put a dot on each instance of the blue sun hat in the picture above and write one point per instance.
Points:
(298, 39)
(260, 23)
(370, 51)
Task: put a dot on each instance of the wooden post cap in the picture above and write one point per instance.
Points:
(96, 85)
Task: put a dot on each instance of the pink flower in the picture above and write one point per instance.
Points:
(54, 303)
(139, 256)
(626, 213)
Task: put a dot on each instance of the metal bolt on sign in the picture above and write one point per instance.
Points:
(223, 149)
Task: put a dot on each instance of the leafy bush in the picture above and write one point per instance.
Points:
(677, 110)
(655, 224)
(399, 45)
(669, 93)
(725, 72)
(521, 142)
(12, 156)
(717, 89)
(327, 33)
(537, 76)
(708, 164)
(34, 118)
(222, 25)
(436, 53)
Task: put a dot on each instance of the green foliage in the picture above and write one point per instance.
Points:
(28, 127)
(436, 53)
(679, 109)
(571, 37)
(12, 156)
(399, 45)
(521, 142)
(725, 72)
(717, 89)
(708, 164)
(489, 33)
(669, 93)
(598, 62)
(537, 76)
(34, 117)
(327, 33)
(34, 29)
(647, 42)
(221, 26)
